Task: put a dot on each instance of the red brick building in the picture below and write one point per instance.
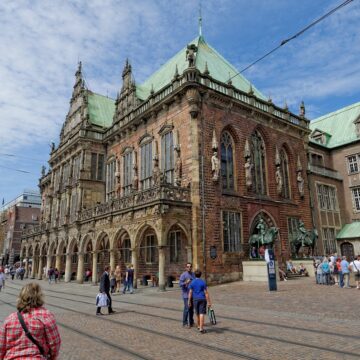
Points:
(181, 168)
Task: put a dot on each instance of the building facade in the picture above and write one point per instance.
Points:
(17, 215)
(183, 167)
(334, 168)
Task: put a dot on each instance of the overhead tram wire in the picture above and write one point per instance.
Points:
(18, 170)
(20, 157)
(347, 2)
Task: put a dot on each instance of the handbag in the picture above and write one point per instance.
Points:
(102, 300)
(31, 338)
(212, 317)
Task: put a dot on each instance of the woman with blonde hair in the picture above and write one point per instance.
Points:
(31, 332)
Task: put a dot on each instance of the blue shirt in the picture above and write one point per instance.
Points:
(198, 286)
(344, 267)
(185, 285)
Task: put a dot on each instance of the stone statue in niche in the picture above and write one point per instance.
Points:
(156, 172)
(178, 168)
(135, 182)
(248, 176)
(215, 166)
(279, 180)
(300, 182)
(43, 170)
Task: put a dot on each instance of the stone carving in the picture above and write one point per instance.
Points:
(300, 182)
(215, 166)
(190, 54)
(43, 170)
(135, 182)
(248, 176)
(178, 168)
(52, 146)
(118, 176)
(156, 171)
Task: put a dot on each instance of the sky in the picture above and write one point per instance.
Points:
(42, 41)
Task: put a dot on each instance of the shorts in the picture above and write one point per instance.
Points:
(357, 276)
(200, 306)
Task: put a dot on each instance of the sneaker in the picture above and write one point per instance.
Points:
(112, 312)
(203, 331)
(285, 279)
(99, 314)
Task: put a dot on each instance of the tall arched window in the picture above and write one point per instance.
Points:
(284, 166)
(227, 161)
(259, 163)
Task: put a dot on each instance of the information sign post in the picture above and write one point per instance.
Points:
(270, 260)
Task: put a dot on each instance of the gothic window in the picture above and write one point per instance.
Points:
(110, 179)
(293, 224)
(97, 166)
(146, 165)
(76, 168)
(73, 205)
(353, 163)
(150, 248)
(231, 231)
(259, 164)
(356, 198)
(175, 246)
(128, 171)
(167, 156)
(327, 197)
(284, 165)
(227, 162)
(66, 174)
(329, 240)
(126, 250)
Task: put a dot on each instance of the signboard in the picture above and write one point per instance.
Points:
(270, 260)
(213, 252)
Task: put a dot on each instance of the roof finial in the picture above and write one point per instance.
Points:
(200, 20)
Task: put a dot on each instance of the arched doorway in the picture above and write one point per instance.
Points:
(347, 249)
(148, 261)
(88, 259)
(122, 250)
(176, 252)
(103, 256)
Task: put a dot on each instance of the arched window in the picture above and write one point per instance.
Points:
(227, 161)
(284, 166)
(259, 163)
(167, 156)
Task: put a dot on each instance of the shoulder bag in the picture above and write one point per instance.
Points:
(30, 337)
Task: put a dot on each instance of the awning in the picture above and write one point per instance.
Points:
(349, 231)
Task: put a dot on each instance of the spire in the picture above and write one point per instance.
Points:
(302, 109)
(79, 82)
(206, 71)
(200, 20)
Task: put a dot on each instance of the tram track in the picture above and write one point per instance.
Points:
(227, 330)
(219, 317)
(236, 354)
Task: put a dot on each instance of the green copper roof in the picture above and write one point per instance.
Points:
(339, 126)
(101, 109)
(218, 67)
(349, 231)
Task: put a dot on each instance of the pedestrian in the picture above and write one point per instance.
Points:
(12, 272)
(336, 270)
(201, 299)
(345, 273)
(355, 268)
(118, 278)
(44, 341)
(129, 279)
(185, 279)
(112, 281)
(56, 275)
(105, 289)
(2, 279)
(51, 275)
(21, 272)
(325, 267)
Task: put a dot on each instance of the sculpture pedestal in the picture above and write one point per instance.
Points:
(308, 263)
(257, 271)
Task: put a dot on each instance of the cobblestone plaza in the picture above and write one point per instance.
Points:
(299, 321)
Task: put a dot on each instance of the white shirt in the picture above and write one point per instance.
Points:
(355, 267)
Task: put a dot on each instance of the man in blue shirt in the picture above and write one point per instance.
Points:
(185, 279)
(345, 272)
(201, 299)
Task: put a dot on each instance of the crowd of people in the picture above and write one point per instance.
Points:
(335, 270)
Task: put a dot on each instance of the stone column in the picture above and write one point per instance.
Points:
(33, 267)
(58, 262)
(80, 269)
(40, 268)
(94, 268)
(112, 259)
(189, 254)
(134, 261)
(68, 268)
(26, 267)
(161, 268)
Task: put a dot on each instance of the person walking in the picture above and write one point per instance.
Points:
(355, 268)
(129, 279)
(2, 279)
(44, 340)
(345, 273)
(199, 293)
(185, 279)
(105, 289)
